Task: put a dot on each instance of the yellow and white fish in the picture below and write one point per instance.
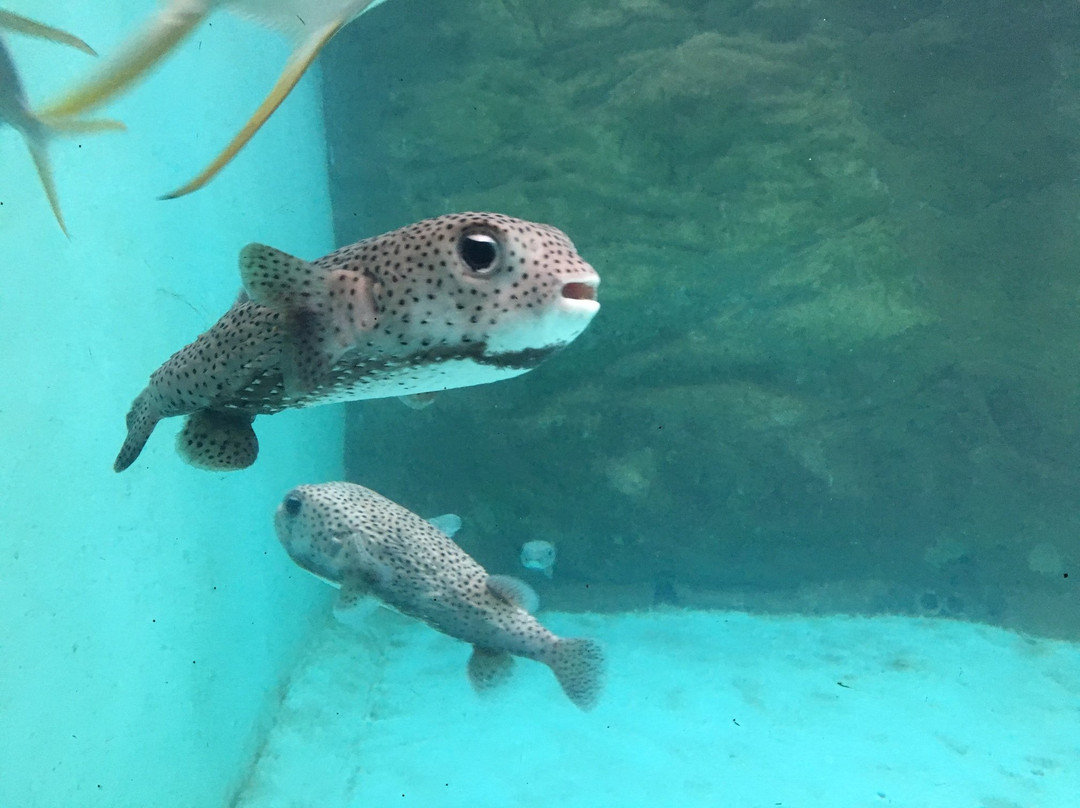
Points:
(310, 23)
(37, 129)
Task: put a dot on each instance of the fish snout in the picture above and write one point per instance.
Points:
(578, 293)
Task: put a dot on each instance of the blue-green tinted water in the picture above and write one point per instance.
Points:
(810, 474)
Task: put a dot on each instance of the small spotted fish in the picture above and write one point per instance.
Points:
(539, 555)
(367, 545)
(36, 129)
(458, 300)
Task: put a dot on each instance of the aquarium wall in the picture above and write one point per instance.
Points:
(835, 367)
(149, 617)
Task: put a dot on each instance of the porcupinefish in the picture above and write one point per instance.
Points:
(15, 109)
(310, 23)
(539, 555)
(367, 545)
(458, 300)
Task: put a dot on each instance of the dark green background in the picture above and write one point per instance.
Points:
(836, 362)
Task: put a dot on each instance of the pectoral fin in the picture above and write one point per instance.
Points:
(164, 32)
(324, 311)
(365, 574)
(297, 65)
(310, 353)
(354, 606)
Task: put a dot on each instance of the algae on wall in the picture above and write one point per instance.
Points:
(838, 292)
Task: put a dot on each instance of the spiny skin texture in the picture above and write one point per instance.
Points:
(458, 300)
(363, 542)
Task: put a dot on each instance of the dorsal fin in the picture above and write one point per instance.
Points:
(514, 591)
(448, 523)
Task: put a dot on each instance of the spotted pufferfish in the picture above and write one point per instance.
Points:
(458, 300)
(371, 547)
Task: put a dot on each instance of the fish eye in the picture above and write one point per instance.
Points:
(293, 504)
(480, 252)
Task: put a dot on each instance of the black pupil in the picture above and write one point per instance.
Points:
(292, 505)
(478, 252)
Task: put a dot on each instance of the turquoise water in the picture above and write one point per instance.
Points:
(810, 473)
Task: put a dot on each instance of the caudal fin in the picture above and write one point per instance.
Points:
(141, 420)
(579, 666)
(39, 152)
(36, 141)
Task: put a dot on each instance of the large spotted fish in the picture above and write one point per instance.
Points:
(458, 300)
(365, 544)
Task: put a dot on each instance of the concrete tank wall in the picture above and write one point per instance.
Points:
(146, 618)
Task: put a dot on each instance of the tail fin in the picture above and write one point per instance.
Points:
(36, 142)
(40, 153)
(141, 420)
(579, 666)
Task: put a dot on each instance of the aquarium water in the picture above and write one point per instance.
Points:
(808, 478)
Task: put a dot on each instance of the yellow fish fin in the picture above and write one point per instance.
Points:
(298, 63)
(162, 35)
(38, 146)
(82, 126)
(24, 25)
(39, 152)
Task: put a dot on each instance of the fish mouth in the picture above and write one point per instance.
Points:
(580, 296)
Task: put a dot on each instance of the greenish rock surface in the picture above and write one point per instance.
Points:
(839, 335)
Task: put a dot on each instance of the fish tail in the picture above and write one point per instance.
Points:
(40, 153)
(141, 420)
(579, 666)
(37, 132)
